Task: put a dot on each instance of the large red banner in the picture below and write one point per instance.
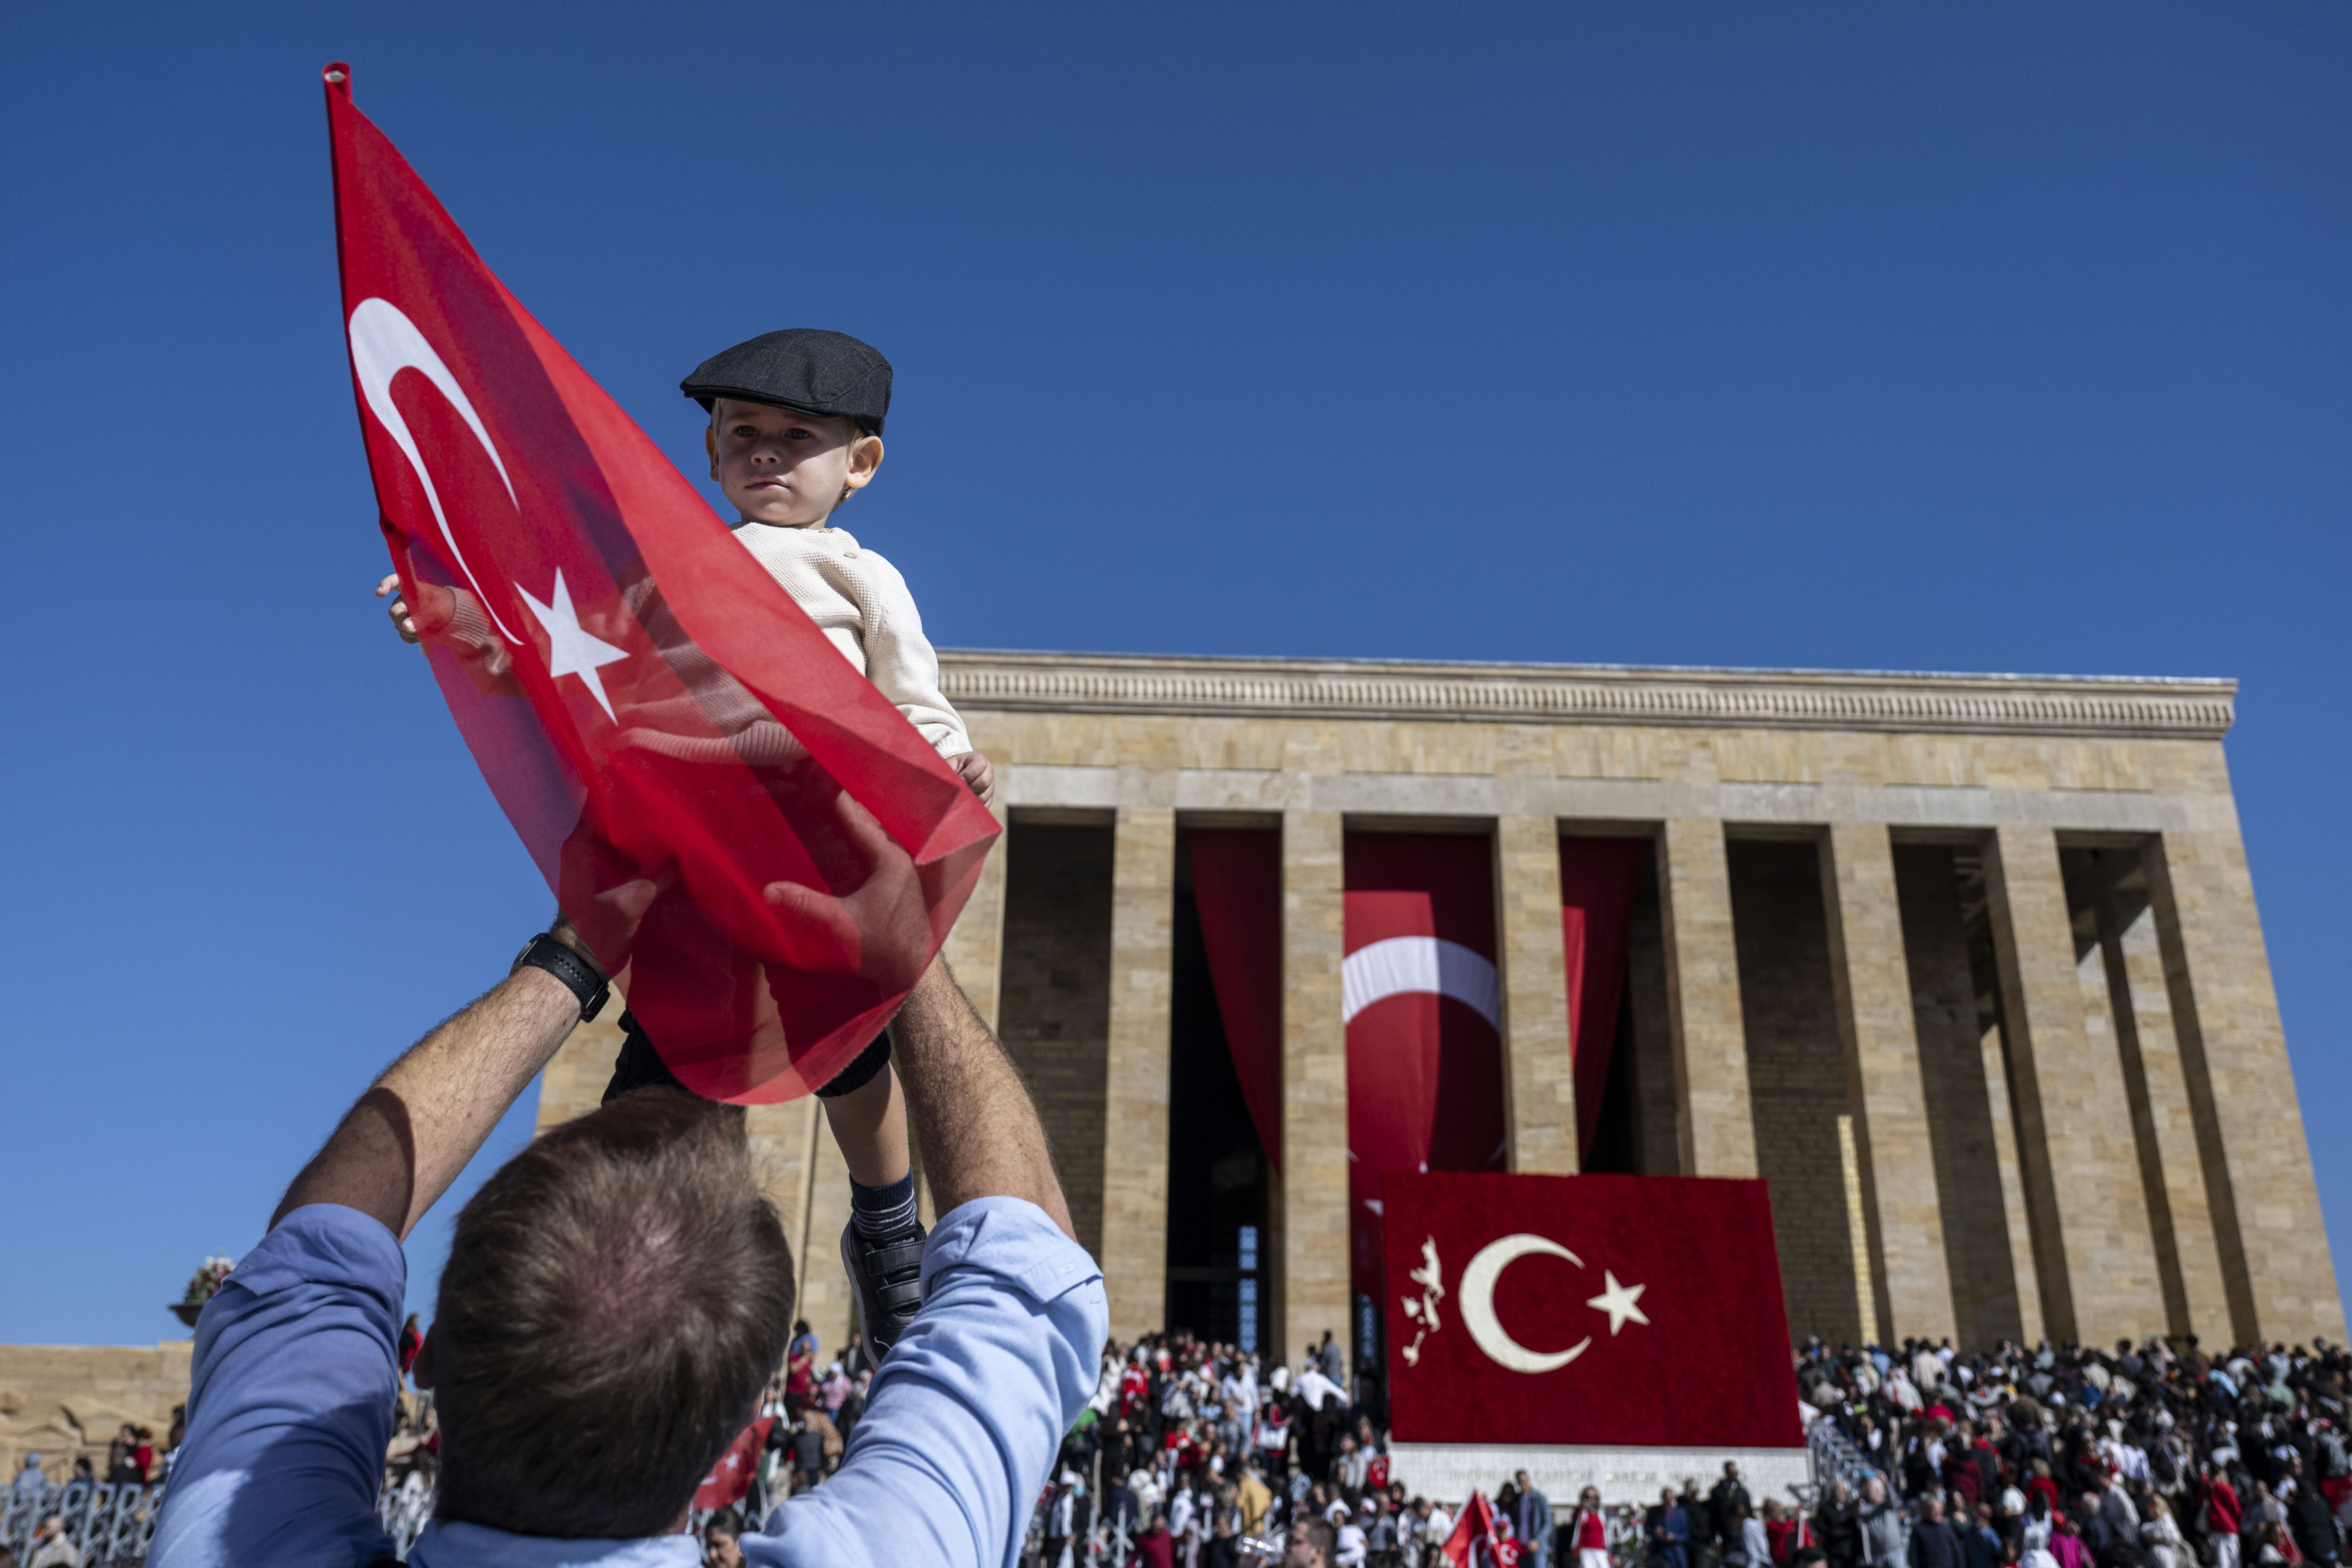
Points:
(762, 851)
(1630, 1311)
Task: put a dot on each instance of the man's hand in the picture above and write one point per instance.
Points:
(973, 769)
(880, 925)
(398, 1149)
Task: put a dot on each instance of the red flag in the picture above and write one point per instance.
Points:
(721, 803)
(1421, 1004)
(1630, 1311)
(733, 1475)
(1474, 1543)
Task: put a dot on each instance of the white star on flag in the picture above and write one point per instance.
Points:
(570, 649)
(1618, 1302)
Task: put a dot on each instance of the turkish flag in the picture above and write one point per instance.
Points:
(1475, 1541)
(1628, 1310)
(759, 847)
(1423, 1005)
(733, 1475)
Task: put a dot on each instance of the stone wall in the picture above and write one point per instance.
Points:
(60, 1401)
(1054, 1008)
(1796, 1082)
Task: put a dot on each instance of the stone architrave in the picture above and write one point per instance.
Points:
(2093, 1254)
(1539, 1063)
(1710, 1035)
(1135, 1121)
(2276, 1269)
(1310, 1204)
(1903, 1207)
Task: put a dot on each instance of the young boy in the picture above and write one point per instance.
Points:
(795, 430)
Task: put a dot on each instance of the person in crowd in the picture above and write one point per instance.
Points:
(1586, 1532)
(1727, 1492)
(722, 1540)
(1980, 1544)
(1933, 1544)
(1531, 1523)
(1665, 1532)
(1312, 1542)
(412, 1340)
(30, 1480)
(52, 1548)
(1837, 1526)
(1886, 1533)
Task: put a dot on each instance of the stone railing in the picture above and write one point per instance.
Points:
(1589, 694)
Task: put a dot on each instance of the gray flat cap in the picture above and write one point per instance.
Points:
(803, 368)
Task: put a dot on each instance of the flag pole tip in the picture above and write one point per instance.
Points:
(338, 74)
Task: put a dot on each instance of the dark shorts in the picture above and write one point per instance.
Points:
(639, 1066)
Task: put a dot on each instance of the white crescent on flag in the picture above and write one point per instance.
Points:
(384, 342)
(1406, 963)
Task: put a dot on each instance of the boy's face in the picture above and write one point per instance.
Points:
(787, 469)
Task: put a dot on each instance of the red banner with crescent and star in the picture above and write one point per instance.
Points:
(1629, 1310)
(730, 1478)
(762, 850)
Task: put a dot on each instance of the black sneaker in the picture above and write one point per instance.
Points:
(888, 1277)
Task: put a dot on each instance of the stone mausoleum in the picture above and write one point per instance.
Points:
(1968, 968)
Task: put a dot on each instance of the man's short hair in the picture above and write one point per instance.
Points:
(1320, 1533)
(616, 1296)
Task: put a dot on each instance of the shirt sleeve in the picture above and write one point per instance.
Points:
(969, 1410)
(901, 662)
(295, 1376)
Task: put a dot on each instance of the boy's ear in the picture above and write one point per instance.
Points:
(710, 446)
(865, 459)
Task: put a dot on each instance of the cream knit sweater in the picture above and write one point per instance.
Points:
(861, 604)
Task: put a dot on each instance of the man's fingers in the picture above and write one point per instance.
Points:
(390, 581)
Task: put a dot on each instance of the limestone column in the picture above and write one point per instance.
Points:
(1310, 1200)
(1134, 1114)
(1717, 1130)
(1538, 1065)
(572, 1082)
(2276, 1269)
(2093, 1252)
(1871, 976)
(975, 948)
(2187, 1261)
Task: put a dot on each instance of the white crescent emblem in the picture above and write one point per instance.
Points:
(384, 342)
(1477, 1293)
(1407, 963)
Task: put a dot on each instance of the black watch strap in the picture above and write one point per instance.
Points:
(543, 952)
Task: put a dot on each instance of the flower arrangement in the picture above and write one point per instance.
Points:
(202, 1285)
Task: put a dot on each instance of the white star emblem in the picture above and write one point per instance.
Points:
(570, 649)
(1618, 1302)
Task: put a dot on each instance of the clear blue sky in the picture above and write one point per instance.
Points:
(2004, 337)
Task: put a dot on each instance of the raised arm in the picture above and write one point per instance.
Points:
(397, 1150)
(973, 1118)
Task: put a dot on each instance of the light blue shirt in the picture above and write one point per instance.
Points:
(297, 1371)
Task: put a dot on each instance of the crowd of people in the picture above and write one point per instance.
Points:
(1198, 1455)
(2145, 1457)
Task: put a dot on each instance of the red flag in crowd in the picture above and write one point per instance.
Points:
(1477, 1542)
(731, 1476)
(1636, 1311)
(719, 800)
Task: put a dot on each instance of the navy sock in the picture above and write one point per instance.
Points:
(879, 1212)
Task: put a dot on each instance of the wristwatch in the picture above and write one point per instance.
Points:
(585, 980)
